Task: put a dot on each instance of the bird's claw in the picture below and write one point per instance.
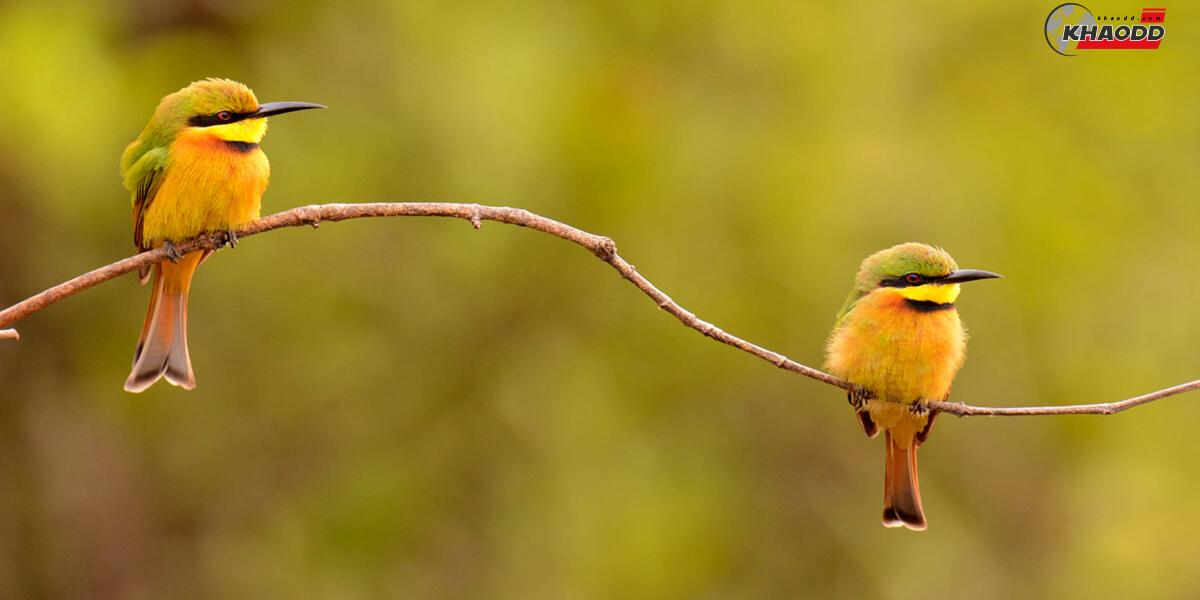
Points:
(859, 396)
(173, 253)
(226, 238)
(919, 408)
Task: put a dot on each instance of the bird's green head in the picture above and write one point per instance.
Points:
(918, 272)
(222, 108)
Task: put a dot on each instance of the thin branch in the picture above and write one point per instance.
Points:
(9, 334)
(314, 215)
(1107, 408)
(601, 246)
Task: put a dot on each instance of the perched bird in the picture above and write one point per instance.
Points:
(898, 339)
(196, 168)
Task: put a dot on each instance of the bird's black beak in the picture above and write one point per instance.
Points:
(962, 275)
(278, 108)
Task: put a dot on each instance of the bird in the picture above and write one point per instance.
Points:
(196, 168)
(899, 342)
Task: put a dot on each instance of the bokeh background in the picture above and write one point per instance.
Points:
(410, 408)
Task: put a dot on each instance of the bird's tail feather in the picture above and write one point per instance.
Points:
(162, 349)
(901, 491)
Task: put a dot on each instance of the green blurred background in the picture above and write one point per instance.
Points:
(409, 408)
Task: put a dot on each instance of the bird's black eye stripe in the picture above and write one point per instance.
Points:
(908, 280)
(216, 119)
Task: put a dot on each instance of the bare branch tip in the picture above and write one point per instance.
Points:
(9, 334)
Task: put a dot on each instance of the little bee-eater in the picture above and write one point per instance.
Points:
(196, 168)
(898, 339)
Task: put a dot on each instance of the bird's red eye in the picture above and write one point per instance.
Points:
(224, 115)
(912, 278)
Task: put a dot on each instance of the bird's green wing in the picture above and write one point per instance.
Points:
(855, 295)
(143, 177)
(143, 171)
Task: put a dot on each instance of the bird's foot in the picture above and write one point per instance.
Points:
(173, 253)
(858, 397)
(226, 238)
(920, 408)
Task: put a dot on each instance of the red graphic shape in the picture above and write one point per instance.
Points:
(1118, 45)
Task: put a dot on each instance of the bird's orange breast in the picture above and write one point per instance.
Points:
(898, 352)
(208, 185)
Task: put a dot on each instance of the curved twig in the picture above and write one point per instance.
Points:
(1107, 408)
(601, 246)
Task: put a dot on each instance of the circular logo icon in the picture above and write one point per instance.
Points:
(1059, 18)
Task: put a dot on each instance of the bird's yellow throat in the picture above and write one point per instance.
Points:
(931, 292)
(250, 131)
